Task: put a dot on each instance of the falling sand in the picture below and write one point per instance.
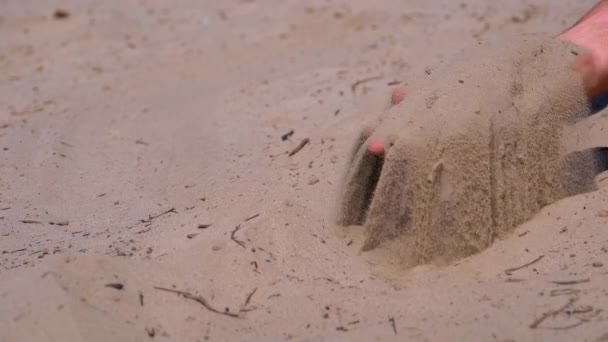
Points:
(476, 150)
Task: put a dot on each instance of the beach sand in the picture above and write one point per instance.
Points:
(141, 153)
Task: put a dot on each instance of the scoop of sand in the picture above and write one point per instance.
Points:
(475, 151)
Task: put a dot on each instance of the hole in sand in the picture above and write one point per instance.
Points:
(371, 184)
(599, 102)
(579, 179)
(600, 154)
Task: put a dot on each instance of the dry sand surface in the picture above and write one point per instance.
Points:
(141, 153)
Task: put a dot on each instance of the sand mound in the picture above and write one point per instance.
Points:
(475, 151)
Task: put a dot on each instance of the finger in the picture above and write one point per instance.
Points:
(592, 70)
(398, 95)
(381, 141)
(598, 8)
(376, 147)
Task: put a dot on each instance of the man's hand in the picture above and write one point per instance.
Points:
(591, 32)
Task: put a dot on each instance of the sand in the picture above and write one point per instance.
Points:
(123, 111)
(476, 150)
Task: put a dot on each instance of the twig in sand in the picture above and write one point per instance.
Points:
(564, 292)
(251, 217)
(60, 223)
(249, 296)
(511, 270)
(30, 222)
(236, 229)
(354, 86)
(117, 286)
(392, 321)
(553, 313)
(571, 282)
(514, 280)
(61, 14)
(200, 300)
(287, 135)
(17, 251)
(144, 230)
(299, 147)
(568, 326)
(150, 217)
(255, 264)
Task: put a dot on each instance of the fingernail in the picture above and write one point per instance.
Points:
(376, 147)
(398, 95)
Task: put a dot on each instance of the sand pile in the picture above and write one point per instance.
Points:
(476, 150)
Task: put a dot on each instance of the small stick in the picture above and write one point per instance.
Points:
(571, 282)
(143, 231)
(3, 209)
(150, 217)
(200, 300)
(553, 313)
(18, 250)
(562, 292)
(255, 264)
(30, 222)
(299, 147)
(251, 217)
(141, 298)
(60, 223)
(392, 321)
(240, 243)
(514, 280)
(117, 286)
(287, 135)
(568, 326)
(249, 296)
(354, 86)
(511, 270)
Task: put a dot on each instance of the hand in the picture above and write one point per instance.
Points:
(474, 150)
(591, 32)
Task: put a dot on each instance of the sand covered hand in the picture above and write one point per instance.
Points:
(476, 149)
